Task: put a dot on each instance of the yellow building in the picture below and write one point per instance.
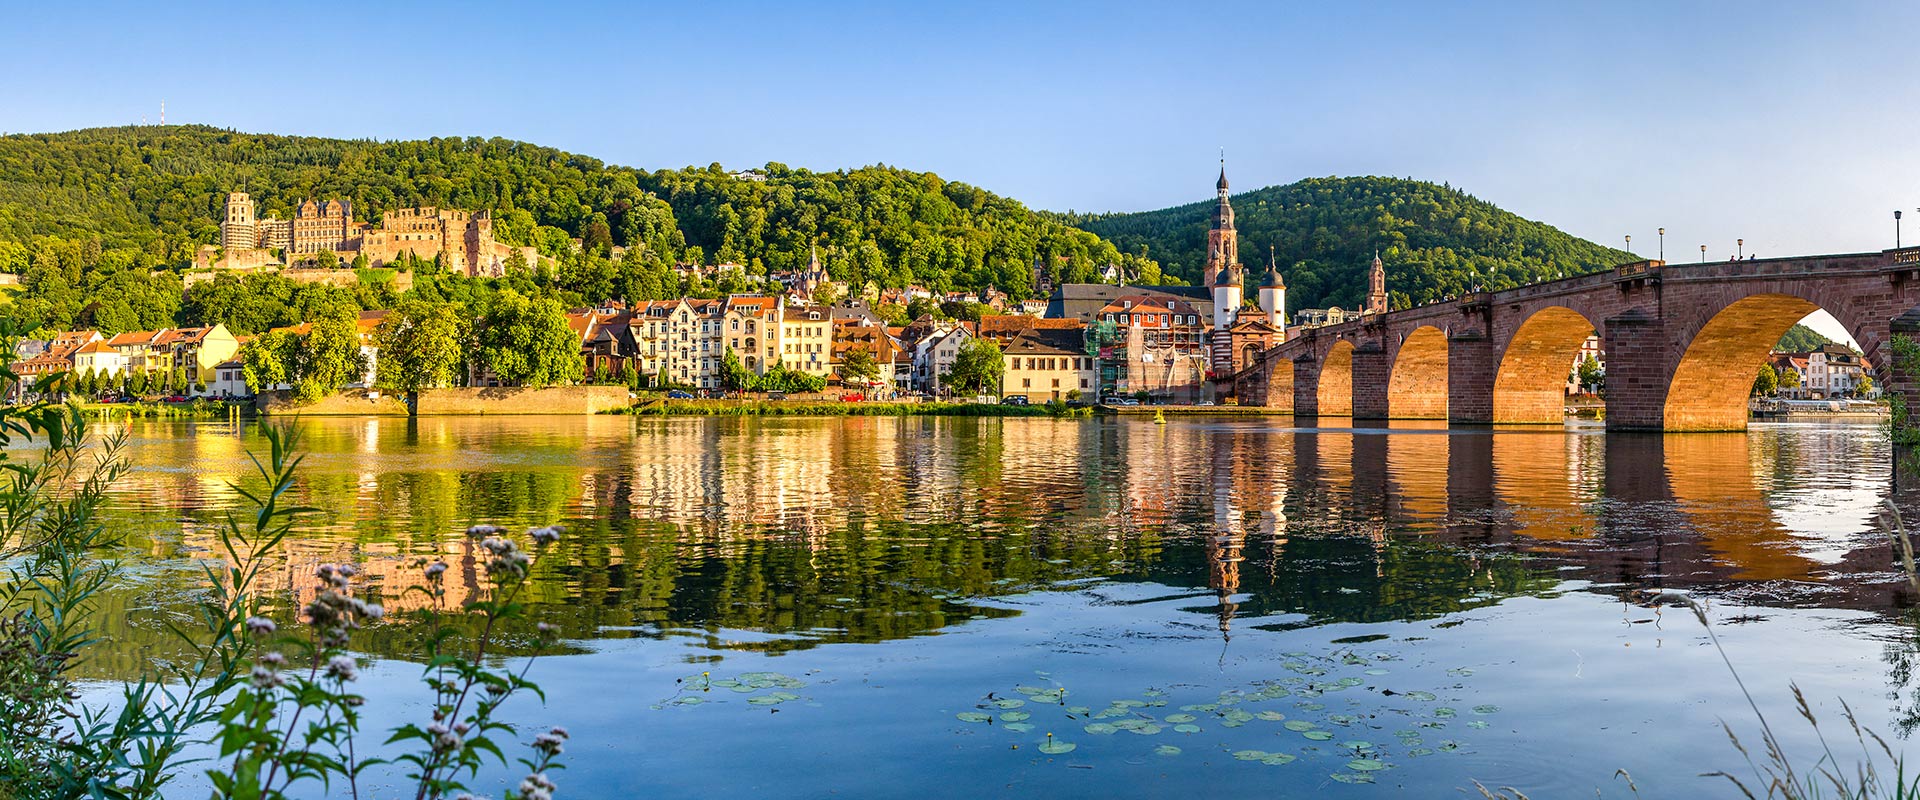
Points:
(195, 351)
(1048, 364)
(806, 340)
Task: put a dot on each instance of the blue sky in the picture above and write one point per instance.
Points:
(1790, 125)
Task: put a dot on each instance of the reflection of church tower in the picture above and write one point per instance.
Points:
(1377, 287)
(1229, 536)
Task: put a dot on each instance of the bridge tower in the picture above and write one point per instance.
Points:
(1273, 294)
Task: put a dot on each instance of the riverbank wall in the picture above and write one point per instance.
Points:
(463, 401)
(803, 408)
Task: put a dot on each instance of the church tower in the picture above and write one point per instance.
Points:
(1223, 243)
(1377, 287)
(1223, 273)
(1273, 294)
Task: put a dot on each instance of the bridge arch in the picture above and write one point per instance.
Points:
(1530, 386)
(1417, 385)
(1336, 381)
(1713, 378)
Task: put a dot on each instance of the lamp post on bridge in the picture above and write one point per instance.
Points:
(1663, 244)
(1896, 229)
(1629, 244)
(1741, 252)
(1703, 254)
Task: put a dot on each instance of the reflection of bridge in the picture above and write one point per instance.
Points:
(1682, 341)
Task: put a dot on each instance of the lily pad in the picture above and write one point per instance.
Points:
(1166, 750)
(1019, 727)
(1100, 729)
(1318, 735)
(1146, 730)
(1081, 710)
(1181, 718)
(1460, 672)
(1376, 671)
(1424, 697)
(1271, 716)
(1186, 727)
(1251, 755)
(1350, 681)
(1200, 707)
(1478, 724)
(1357, 744)
(1444, 712)
(1015, 716)
(1310, 706)
(764, 700)
(1054, 747)
(1351, 777)
(1420, 751)
(973, 716)
(1009, 702)
(689, 700)
(1277, 759)
(1298, 725)
(1029, 690)
(1366, 765)
(1448, 746)
(1486, 709)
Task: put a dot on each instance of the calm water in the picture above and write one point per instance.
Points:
(1451, 605)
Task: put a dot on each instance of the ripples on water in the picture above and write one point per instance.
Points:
(906, 570)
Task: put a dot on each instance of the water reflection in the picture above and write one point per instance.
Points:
(811, 531)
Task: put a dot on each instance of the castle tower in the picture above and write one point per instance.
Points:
(237, 231)
(1377, 287)
(1273, 294)
(1223, 243)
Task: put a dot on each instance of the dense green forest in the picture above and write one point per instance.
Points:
(1800, 339)
(145, 197)
(1436, 241)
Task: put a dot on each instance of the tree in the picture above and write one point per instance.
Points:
(329, 358)
(1863, 386)
(977, 369)
(326, 259)
(1766, 382)
(422, 345)
(268, 360)
(527, 342)
(860, 367)
(1789, 378)
(791, 381)
(1590, 372)
(734, 375)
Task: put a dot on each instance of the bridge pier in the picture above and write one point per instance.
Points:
(1471, 366)
(1636, 348)
(1306, 386)
(1370, 376)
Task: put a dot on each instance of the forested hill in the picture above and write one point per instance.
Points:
(1435, 240)
(154, 194)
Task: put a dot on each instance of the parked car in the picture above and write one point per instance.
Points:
(679, 395)
(1014, 400)
(852, 397)
(776, 395)
(175, 398)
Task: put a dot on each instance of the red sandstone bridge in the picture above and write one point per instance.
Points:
(1682, 343)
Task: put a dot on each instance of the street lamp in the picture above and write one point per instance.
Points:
(1703, 254)
(1741, 251)
(1629, 244)
(1663, 244)
(1896, 229)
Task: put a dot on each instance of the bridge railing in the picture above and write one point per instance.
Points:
(1905, 255)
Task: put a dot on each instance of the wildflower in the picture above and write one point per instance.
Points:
(537, 787)
(375, 611)
(342, 668)
(435, 569)
(272, 659)
(259, 626)
(547, 631)
(546, 535)
(264, 678)
(549, 744)
(483, 531)
(558, 731)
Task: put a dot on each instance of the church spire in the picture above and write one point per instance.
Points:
(1377, 286)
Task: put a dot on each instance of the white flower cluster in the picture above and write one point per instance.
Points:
(333, 612)
(537, 787)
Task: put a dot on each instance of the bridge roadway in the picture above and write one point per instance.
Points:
(1683, 343)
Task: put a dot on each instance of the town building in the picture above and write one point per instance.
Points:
(858, 333)
(806, 340)
(935, 353)
(1045, 364)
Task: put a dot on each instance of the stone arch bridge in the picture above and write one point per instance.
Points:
(1682, 343)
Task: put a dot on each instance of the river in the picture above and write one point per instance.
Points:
(1229, 606)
